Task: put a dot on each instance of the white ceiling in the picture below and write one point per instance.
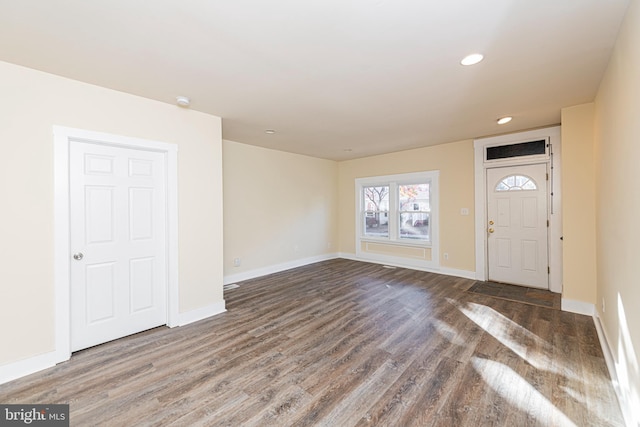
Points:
(372, 76)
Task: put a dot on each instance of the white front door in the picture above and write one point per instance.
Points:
(517, 225)
(118, 215)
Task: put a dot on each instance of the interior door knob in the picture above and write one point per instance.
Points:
(78, 256)
(491, 230)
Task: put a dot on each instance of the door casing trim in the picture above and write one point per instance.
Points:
(62, 137)
(555, 219)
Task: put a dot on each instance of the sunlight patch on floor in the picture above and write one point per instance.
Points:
(513, 336)
(519, 393)
(448, 332)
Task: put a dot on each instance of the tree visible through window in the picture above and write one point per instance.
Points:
(376, 220)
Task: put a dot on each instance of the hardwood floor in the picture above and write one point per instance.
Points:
(343, 343)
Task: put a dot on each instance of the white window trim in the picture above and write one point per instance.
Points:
(393, 180)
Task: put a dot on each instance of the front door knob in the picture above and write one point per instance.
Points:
(78, 256)
(491, 230)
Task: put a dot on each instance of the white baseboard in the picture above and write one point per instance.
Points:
(201, 313)
(457, 273)
(347, 255)
(22, 368)
(431, 269)
(578, 307)
(263, 271)
(629, 409)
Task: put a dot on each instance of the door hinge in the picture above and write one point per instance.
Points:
(548, 270)
(547, 223)
(547, 176)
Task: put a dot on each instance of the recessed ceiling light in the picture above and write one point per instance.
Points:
(270, 131)
(347, 150)
(504, 120)
(183, 101)
(472, 59)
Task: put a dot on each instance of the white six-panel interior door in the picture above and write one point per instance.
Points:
(118, 218)
(517, 226)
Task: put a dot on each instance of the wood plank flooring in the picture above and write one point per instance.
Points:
(343, 343)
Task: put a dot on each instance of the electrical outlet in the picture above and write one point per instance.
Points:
(236, 262)
(296, 248)
(445, 255)
(603, 304)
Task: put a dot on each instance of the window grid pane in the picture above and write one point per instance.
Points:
(413, 211)
(414, 225)
(516, 183)
(376, 223)
(376, 211)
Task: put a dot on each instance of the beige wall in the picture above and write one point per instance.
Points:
(278, 207)
(455, 163)
(33, 102)
(578, 205)
(617, 137)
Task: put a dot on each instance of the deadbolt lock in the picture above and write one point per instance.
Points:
(490, 222)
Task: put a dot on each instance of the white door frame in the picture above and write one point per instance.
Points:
(554, 199)
(63, 136)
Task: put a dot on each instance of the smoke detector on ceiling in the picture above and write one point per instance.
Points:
(183, 101)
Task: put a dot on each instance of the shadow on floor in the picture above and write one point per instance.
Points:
(539, 297)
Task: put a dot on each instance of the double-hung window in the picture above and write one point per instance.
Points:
(398, 209)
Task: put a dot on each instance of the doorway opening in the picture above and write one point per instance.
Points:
(166, 158)
(518, 209)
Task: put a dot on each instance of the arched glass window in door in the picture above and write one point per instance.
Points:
(516, 183)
